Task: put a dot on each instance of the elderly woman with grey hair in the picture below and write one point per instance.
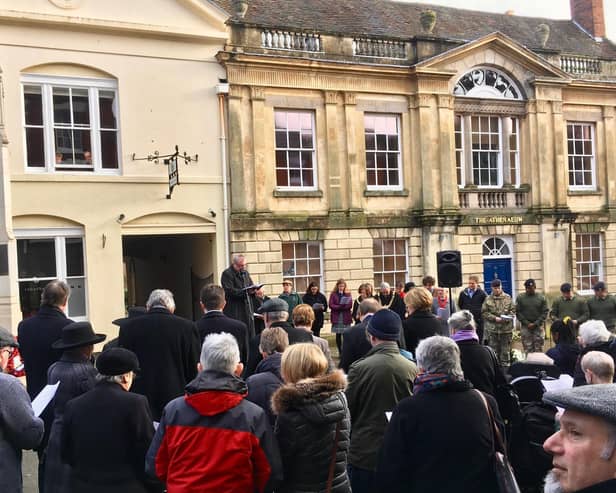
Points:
(479, 362)
(440, 438)
(594, 336)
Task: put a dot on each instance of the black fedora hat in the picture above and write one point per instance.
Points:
(133, 311)
(76, 335)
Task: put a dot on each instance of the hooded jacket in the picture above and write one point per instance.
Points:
(213, 440)
(309, 412)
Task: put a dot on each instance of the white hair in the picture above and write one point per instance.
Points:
(438, 354)
(220, 352)
(237, 257)
(279, 316)
(594, 332)
(161, 298)
(600, 363)
(385, 285)
(462, 320)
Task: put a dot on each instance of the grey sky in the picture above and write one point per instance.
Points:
(554, 9)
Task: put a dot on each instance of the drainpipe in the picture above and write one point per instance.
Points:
(222, 90)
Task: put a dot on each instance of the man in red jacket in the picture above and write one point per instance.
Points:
(213, 439)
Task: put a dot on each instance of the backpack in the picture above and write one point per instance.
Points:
(528, 459)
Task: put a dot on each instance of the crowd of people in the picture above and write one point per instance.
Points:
(249, 399)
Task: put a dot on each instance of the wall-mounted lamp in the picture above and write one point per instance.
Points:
(120, 218)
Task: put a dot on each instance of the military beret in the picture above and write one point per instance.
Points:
(596, 400)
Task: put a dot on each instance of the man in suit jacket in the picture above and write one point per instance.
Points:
(167, 347)
(107, 431)
(355, 344)
(36, 335)
(214, 321)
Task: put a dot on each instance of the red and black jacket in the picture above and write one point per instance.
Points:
(213, 440)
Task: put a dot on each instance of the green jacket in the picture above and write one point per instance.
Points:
(531, 309)
(496, 306)
(576, 308)
(293, 299)
(603, 310)
(376, 383)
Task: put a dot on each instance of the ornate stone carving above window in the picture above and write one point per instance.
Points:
(479, 106)
(484, 82)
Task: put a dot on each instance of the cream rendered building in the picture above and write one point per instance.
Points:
(362, 143)
(86, 87)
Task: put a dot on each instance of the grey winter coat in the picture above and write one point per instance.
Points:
(308, 414)
(19, 429)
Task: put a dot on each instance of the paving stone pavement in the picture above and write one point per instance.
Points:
(30, 471)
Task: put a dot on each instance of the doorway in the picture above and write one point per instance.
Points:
(498, 263)
(181, 263)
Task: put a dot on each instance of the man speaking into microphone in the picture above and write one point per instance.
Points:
(239, 293)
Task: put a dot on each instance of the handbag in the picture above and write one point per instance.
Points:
(332, 463)
(504, 474)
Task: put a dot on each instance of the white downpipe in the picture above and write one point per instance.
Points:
(222, 90)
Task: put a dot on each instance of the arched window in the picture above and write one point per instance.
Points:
(487, 145)
(482, 82)
(496, 247)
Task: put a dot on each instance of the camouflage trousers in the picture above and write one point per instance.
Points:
(532, 340)
(501, 343)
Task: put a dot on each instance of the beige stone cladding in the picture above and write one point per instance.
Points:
(346, 253)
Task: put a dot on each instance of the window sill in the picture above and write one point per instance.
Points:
(297, 193)
(575, 193)
(386, 193)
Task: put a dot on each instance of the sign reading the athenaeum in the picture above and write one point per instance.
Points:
(489, 220)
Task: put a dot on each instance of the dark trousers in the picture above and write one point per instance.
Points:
(362, 480)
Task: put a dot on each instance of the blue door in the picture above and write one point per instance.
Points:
(497, 268)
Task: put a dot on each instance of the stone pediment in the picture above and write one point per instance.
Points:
(494, 50)
(172, 18)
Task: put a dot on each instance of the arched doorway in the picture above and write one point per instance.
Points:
(498, 262)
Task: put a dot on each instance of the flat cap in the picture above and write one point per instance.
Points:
(7, 339)
(596, 400)
(117, 361)
(274, 305)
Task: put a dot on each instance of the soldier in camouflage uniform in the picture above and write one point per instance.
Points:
(531, 309)
(497, 312)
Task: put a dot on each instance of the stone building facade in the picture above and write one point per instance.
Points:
(361, 145)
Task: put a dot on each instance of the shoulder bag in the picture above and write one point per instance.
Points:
(504, 474)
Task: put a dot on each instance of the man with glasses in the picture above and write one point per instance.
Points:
(19, 428)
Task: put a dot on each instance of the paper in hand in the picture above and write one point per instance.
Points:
(42, 400)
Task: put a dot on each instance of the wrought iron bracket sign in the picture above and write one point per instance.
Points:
(171, 160)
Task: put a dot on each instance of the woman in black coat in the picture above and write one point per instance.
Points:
(318, 302)
(76, 375)
(566, 351)
(479, 362)
(421, 322)
(439, 439)
(313, 423)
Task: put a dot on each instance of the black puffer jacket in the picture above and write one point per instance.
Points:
(308, 413)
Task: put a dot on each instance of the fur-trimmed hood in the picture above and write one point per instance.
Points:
(318, 399)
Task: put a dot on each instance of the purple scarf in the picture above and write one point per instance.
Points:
(425, 382)
(465, 335)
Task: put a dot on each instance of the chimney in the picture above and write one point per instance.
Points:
(589, 15)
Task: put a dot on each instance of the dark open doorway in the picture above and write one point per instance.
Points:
(181, 263)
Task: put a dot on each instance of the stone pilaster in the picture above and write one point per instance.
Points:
(240, 159)
(264, 169)
(334, 151)
(610, 157)
(560, 155)
(428, 145)
(356, 181)
(449, 189)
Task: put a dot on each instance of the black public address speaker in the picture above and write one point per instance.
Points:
(449, 268)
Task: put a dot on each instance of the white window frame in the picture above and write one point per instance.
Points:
(386, 152)
(381, 273)
(295, 276)
(59, 235)
(578, 262)
(593, 185)
(465, 152)
(287, 149)
(93, 85)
